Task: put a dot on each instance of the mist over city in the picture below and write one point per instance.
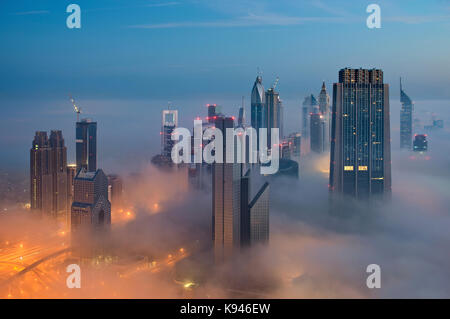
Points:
(90, 119)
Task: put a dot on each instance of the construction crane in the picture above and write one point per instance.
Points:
(75, 107)
(275, 83)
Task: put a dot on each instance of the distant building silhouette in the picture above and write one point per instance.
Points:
(406, 116)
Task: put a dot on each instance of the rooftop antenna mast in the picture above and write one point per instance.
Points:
(75, 107)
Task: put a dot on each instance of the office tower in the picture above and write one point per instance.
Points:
(59, 175)
(360, 164)
(71, 172)
(317, 132)
(41, 179)
(272, 114)
(406, 114)
(48, 175)
(420, 143)
(214, 111)
(241, 118)
(259, 216)
(86, 145)
(254, 213)
(115, 191)
(295, 143)
(309, 106)
(91, 209)
(258, 104)
(324, 108)
(169, 124)
(226, 180)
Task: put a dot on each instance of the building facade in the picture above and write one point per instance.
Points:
(169, 124)
(360, 164)
(86, 145)
(406, 119)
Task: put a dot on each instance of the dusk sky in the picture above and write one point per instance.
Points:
(171, 49)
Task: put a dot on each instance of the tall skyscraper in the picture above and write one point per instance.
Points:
(273, 114)
(259, 216)
(91, 209)
(214, 111)
(258, 102)
(226, 180)
(360, 164)
(241, 117)
(71, 172)
(48, 175)
(309, 106)
(324, 108)
(41, 180)
(169, 124)
(317, 133)
(406, 115)
(115, 191)
(86, 145)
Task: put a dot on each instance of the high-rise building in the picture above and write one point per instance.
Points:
(309, 106)
(295, 143)
(91, 209)
(258, 104)
(169, 124)
(115, 191)
(241, 117)
(324, 109)
(48, 175)
(406, 115)
(41, 179)
(273, 114)
(226, 182)
(420, 143)
(317, 133)
(86, 145)
(71, 172)
(360, 164)
(214, 111)
(259, 216)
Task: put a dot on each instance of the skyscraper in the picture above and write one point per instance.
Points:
(226, 196)
(360, 164)
(86, 145)
(91, 209)
(258, 102)
(317, 132)
(324, 108)
(41, 180)
(115, 191)
(273, 114)
(259, 216)
(406, 114)
(169, 124)
(309, 106)
(48, 175)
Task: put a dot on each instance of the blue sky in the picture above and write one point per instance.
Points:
(173, 49)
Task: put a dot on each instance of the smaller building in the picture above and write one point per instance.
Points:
(420, 143)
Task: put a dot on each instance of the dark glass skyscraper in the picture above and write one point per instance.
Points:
(317, 132)
(360, 164)
(86, 145)
(169, 124)
(310, 106)
(406, 114)
(48, 175)
(273, 114)
(258, 102)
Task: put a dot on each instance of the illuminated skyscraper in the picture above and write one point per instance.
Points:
(360, 164)
(91, 209)
(258, 104)
(169, 124)
(86, 145)
(48, 175)
(115, 191)
(406, 114)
